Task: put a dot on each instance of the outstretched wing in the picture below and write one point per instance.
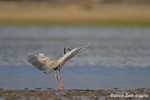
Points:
(72, 53)
(42, 62)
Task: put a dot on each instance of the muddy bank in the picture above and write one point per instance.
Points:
(74, 94)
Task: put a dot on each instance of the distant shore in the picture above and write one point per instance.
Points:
(75, 94)
(65, 14)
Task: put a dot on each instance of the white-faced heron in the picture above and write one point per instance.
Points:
(50, 64)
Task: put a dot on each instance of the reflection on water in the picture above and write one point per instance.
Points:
(118, 57)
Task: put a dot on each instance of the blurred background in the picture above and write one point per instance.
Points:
(89, 12)
(119, 30)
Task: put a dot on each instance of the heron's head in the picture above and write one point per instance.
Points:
(65, 50)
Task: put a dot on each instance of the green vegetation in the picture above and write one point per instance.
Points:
(65, 23)
(11, 94)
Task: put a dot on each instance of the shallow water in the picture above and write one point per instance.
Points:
(118, 57)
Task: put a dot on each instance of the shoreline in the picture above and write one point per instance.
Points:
(74, 14)
(75, 94)
(68, 23)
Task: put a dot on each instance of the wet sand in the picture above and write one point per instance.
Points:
(74, 94)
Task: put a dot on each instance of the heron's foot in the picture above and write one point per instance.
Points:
(60, 87)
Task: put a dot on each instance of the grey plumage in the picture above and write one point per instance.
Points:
(42, 62)
(50, 64)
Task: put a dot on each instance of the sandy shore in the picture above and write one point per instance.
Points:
(45, 13)
(75, 94)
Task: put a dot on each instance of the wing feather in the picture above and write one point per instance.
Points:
(42, 62)
(72, 53)
(49, 64)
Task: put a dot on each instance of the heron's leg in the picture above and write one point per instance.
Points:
(60, 81)
(58, 77)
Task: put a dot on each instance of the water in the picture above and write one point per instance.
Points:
(118, 57)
